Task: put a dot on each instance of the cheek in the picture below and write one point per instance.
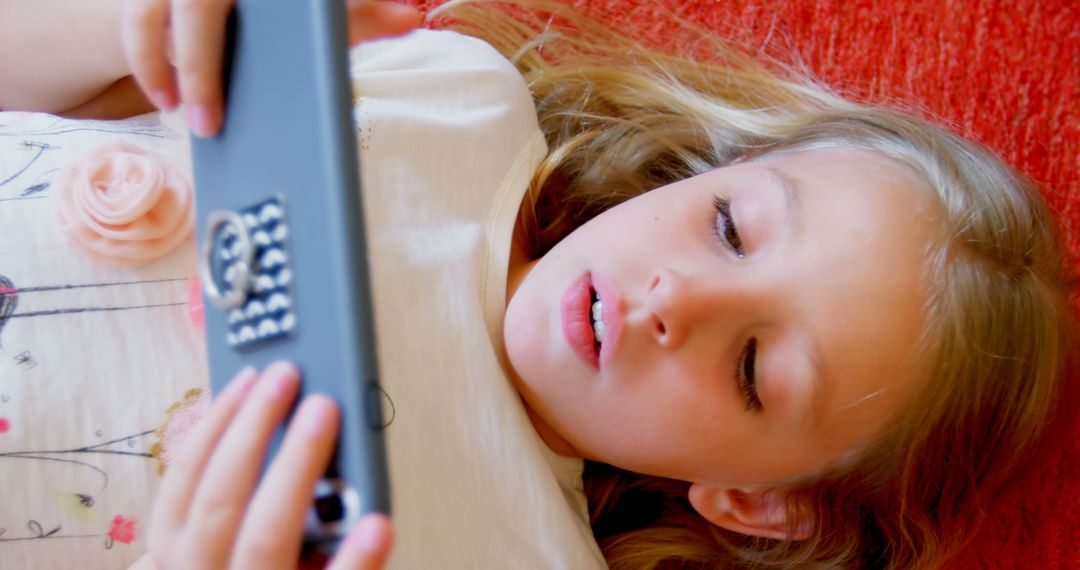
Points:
(639, 220)
(670, 400)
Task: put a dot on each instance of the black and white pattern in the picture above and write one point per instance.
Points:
(267, 311)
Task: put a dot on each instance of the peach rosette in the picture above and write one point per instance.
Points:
(125, 206)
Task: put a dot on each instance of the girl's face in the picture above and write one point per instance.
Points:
(758, 320)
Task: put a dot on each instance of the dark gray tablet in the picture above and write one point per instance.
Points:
(281, 232)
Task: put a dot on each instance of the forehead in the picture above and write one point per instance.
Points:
(867, 180)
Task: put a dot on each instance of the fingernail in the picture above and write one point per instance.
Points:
(163, 100)
(312, 416)
(415, 18)
(201, 120)
(400, 9)
(371, 532)
(279, 379)
(243, 381)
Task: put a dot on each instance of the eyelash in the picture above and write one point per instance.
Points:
(728, 234)
(744, 372)
(744, 367)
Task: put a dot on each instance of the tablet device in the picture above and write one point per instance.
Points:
(281, 236)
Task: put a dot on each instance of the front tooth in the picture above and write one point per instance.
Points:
(598, 331)
(597, 311)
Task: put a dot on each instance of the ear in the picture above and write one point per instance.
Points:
(752, 511)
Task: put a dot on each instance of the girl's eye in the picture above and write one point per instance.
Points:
(745, 375)
(725, 226)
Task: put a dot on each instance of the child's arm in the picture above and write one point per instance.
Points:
(77, 57)
(58, 55)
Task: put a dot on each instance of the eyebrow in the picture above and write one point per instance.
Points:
(792, 199)
(808, 412)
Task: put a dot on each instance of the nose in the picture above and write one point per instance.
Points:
(674, 303)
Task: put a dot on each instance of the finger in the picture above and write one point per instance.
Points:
(274, 523)
(144, 41)
(367, 546)
(370, 20)
(199, 43)
(183, 474)
(229, 479)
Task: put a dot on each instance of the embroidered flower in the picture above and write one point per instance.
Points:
(123, 529)
(125, 206)
(180, 418)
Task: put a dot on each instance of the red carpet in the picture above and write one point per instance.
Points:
(1006, 73)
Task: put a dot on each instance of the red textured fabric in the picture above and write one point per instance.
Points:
(1003, 72)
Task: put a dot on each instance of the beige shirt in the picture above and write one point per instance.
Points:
(472, 485)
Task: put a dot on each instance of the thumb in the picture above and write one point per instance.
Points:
(366, 547)
(372, 19)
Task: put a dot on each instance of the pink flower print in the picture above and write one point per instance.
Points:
(123, 529)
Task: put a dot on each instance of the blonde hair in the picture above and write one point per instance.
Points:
(621, 119)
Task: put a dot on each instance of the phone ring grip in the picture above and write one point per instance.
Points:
(226, 259)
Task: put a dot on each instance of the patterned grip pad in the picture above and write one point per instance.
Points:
(267, 311)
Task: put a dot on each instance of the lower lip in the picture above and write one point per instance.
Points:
(575, 307)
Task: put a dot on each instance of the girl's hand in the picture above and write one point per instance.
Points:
(209, 513)
(175, 48)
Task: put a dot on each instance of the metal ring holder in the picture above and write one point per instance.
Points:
(239, 284)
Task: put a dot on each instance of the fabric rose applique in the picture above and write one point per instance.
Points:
(125, 206)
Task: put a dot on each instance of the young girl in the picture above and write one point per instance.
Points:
(784, 329)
